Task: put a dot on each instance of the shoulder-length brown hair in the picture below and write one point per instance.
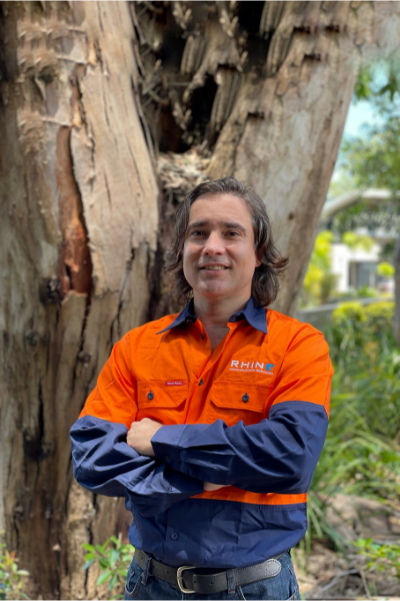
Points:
(265, 284)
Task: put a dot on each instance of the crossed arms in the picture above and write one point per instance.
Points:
(157, 466)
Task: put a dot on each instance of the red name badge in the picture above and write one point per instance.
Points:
(174, 383)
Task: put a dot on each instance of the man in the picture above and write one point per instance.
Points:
(211, 422)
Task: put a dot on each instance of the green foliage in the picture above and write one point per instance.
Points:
(11, 577)
(354, 328)
(361, 454)
(385, 270)
(383, 557)
(373, 160)
(357, 241)
(379, 82)
(356, 294)
(387, 250)
(319, 282)
(113, 559)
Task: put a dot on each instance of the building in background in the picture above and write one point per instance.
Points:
(358, 267)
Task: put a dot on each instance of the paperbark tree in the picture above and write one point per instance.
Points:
(260, 90)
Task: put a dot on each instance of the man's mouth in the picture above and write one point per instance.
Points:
(214, 267)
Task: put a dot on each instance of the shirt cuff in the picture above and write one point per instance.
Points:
(165, 443)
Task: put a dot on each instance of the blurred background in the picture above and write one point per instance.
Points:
(111, 112)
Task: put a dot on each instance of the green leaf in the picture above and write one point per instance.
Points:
(104, 576)
(88, 547)
(88, 563)
(113, 582)
(113, 557)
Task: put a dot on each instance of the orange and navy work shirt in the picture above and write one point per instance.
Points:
(252, 415)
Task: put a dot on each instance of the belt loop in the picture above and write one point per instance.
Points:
(146, 569)
(230, 576)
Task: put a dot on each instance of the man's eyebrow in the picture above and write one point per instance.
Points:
(195, 224)
(228, 224)
(233, 225)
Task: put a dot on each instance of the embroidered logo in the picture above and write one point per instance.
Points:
(261, 368)
(174, 383)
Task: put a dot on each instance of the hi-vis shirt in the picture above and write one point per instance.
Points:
(252, 415)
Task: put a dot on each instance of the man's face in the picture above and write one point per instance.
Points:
(219, 258)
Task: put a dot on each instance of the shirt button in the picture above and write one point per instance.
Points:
(201, 382)
(245, 398)
(150, 396)
(167, 458)
(202, 336)
(174, 536)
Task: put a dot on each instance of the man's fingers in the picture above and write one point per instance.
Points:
(208, 486)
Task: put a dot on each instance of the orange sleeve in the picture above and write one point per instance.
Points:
(306, 370)
(115, 397)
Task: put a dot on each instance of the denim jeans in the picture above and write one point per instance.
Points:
(282, 586)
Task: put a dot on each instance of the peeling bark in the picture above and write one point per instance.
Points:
(75, 261)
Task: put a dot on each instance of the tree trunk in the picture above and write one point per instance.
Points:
(260, 90)
(78, 235)
(264, 89)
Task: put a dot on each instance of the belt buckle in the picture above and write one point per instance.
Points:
(180, 578)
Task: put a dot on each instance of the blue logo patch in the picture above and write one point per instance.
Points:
(268, 367)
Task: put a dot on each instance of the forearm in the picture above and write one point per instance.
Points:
(105, 464)
(277, 455)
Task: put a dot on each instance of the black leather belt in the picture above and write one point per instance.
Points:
(205, 583)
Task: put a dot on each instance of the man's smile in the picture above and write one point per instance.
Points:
(214, 267)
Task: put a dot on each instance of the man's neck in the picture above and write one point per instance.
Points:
(215, 314)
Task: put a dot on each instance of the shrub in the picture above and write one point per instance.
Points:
(383, 557)
(114, 559)
(356, 327)
(361, 454)
(11, 578)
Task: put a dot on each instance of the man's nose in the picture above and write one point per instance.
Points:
(214, 244)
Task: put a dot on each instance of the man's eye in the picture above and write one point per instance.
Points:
(198, 233)
(232, 233)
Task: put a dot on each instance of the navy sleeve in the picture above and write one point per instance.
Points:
(280, 453)
(105, 464)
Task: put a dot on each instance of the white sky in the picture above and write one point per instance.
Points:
(359, 113)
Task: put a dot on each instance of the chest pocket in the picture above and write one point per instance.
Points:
(238, 401)
(162, 401)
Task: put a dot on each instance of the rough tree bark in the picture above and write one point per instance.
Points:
(260, 90)
(78, 235)
(265, 88)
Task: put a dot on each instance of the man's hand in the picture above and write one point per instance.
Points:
(139, 438)
(208, 486)
(140, 435)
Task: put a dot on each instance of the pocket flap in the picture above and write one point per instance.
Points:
(239, 395)
(160, 393)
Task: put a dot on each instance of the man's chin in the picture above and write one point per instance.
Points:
(214, 292)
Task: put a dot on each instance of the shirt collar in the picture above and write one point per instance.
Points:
(254, 315)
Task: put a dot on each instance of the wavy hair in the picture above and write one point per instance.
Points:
(265, 284)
